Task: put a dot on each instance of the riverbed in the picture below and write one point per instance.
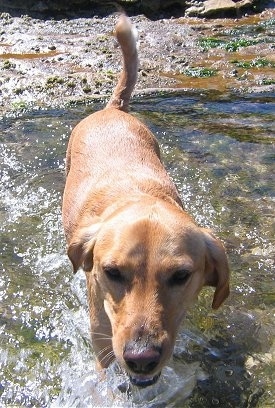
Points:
(57, 62)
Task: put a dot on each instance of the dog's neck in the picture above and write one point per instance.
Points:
(98, 210)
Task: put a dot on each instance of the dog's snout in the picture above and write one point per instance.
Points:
(142, 361)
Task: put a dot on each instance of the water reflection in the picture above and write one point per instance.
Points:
(220, 152)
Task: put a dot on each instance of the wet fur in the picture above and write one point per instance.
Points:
(126, 227)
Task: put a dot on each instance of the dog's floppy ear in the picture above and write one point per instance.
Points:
(217, 269)
(81, 246)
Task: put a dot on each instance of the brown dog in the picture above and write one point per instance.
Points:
(145, 259)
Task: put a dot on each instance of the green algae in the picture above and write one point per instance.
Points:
(200, 72)
(255, 63)
(230, 46)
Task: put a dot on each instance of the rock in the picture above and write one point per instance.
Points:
(194, 11)
(214, 7)
(221, 8)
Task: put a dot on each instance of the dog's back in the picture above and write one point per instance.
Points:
(110, 144)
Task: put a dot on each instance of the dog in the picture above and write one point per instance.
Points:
(144, 257)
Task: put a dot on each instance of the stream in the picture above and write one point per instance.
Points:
(220, 152)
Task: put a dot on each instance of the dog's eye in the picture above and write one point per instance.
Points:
(179, 277)
(113, 273)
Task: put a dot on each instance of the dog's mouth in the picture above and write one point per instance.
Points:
(143, 381)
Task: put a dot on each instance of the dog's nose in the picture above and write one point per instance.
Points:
(143, 360)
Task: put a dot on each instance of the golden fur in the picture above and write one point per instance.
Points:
(145, 258)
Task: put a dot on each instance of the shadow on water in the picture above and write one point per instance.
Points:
(220, 152)
(90, 8)
(96, 9)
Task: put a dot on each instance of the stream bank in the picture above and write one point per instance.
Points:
(57, 62)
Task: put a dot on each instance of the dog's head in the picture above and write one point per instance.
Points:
(149, 263)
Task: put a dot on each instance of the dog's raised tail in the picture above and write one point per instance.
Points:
(127, 37)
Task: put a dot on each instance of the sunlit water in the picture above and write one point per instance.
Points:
(220, 152)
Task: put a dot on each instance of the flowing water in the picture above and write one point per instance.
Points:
(220, 152)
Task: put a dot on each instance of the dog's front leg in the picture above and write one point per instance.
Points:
(101, 331)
